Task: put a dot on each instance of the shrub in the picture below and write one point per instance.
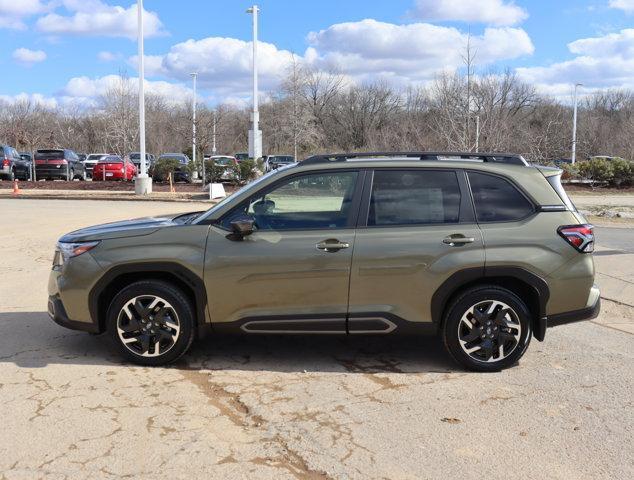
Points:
(163, 167)
(597, 170)
(571, 172)
(622, 171)
(245, 171)
(213, 172)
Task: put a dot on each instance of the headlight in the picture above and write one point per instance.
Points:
(70, 250)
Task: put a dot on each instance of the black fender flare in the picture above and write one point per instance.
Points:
(469, 275)
(182, 273)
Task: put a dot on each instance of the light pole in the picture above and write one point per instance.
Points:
(255, 135)
(213, 136)
(194, 77)
(574, 126)
(142, 183)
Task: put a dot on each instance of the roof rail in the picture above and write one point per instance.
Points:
(509, 158)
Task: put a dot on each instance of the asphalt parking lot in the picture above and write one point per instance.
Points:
(307, 408)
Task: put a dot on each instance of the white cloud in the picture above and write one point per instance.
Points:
(409, 53)
(28, 57)
(12, 12)
(625, 5)
(37, 98)
(96, 18)
(492, 12)
(106, 56)
(601, 62)
(87, 90)
(223, 64)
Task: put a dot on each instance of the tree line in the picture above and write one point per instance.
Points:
(315, 112)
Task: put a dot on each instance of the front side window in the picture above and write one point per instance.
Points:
(497, 199)
(414, 197)
(305, 202)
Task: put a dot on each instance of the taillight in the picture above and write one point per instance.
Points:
(6, 162)
(579, 236)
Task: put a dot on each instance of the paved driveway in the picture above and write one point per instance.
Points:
(303, 408)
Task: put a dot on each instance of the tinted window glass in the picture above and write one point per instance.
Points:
(406, 197)
(314, 201)
(497, 200)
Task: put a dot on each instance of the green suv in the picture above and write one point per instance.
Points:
(483, 249)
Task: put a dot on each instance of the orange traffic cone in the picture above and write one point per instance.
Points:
(16, 189)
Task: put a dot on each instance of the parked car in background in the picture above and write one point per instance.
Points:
(135, 157)
(113, 167)
(273, 162)
(225, 167)
(82, 156)
(562, 161)
(181, 174)
(92, 160)
(62, 164)
(28, 158)
(241, 156)
(12, 165)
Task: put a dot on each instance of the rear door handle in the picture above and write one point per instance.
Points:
(457, 240)
(332, 245)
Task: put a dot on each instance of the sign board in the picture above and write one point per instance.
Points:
(216, 190)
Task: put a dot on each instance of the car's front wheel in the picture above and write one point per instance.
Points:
(487, 328)
(151, 322)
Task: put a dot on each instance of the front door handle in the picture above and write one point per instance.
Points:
(457, 240)
(332, 245)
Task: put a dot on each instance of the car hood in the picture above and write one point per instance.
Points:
(128, 228)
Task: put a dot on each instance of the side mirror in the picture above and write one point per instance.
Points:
(243, 227)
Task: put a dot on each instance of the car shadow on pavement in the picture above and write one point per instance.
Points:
(32, 340)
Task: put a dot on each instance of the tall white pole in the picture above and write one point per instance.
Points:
(477, 143)
(213, 136)
(574, 127)
(255, 143)
(143, 184)
(194, 75)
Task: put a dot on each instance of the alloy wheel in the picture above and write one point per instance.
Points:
(489, 331)
(148, 326)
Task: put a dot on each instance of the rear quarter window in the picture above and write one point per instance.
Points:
(497, 199)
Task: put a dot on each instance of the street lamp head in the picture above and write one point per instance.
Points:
(253, 9)
(194, 74)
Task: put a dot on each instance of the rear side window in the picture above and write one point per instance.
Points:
(497, 200)
(414, 197)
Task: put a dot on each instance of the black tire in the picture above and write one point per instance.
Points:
(178, 302)
(12, 175)
(514, 341)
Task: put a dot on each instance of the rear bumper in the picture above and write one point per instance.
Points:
(590, 311)
(57, 312)
(60, 172)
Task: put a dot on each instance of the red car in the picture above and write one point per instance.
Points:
(113, 167)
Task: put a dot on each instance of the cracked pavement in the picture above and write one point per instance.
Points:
(289, 407)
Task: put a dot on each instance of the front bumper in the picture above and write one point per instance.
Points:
(58, 314)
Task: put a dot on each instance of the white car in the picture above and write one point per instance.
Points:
(92, 160)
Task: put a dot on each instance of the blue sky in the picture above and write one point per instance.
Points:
(60, 51)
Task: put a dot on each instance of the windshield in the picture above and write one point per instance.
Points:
(223, 160)
(95, 156)
(248, 187)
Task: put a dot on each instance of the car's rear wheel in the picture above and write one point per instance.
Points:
(151, 322)
(487, 328)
